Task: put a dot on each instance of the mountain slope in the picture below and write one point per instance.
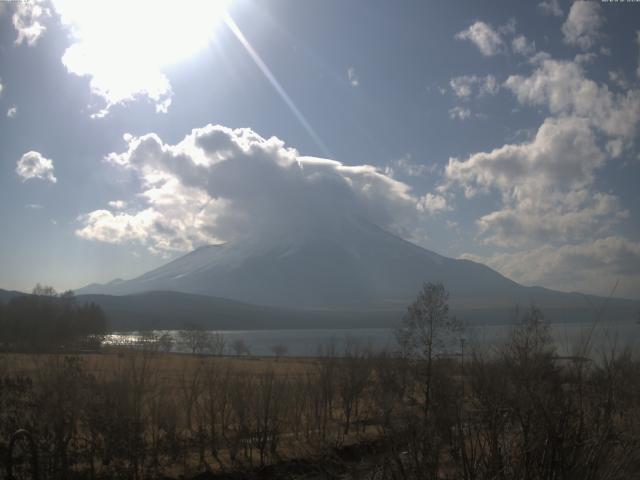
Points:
(350, 264)
(6, 295)
(344, 265)
(173, 310)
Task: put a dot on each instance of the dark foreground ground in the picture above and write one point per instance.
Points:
(518, 412)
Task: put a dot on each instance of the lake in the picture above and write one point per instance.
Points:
(312, 342)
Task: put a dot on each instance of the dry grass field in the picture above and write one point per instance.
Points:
(170, 366)
(519, 413)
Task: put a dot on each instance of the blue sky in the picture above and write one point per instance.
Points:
(505, 132)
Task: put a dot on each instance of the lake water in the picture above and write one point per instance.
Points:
(308, 342)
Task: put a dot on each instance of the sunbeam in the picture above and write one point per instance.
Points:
(276, 85)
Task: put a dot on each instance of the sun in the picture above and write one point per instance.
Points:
(124, 46)
(163, 31)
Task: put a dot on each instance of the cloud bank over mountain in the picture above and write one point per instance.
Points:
(218, 184)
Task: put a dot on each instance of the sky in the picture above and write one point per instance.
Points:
(502, 132)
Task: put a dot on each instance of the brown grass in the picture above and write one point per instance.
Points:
(170, 365)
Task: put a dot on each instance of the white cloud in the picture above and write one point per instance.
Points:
(12, 112)
(619, 79)
(551, 7)
(545, 185)
(141, 80)
(562, 87)
(433, 203)
(508, 28)
(464, 86)
(459, 113)
(483, 36)
(352, 75)
(34, 165)
(489, 85)
(581, 213)
(592, 266)
(104, 226)
(452, 225)
(585, 58)
(27, 20)
(1, 86)
(522, 46)
(407, 167)
(582, 27)
(218, 184)
(117, 204)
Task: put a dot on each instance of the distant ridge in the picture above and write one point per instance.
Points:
(349, 264)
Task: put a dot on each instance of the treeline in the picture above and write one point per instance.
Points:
(430, 410)
(46, 319)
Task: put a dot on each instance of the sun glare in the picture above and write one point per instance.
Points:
(124, 45)
(154, 31)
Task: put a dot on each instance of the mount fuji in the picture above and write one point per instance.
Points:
(343, 265)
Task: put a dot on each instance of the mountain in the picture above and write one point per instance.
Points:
(346, 266)
(6, 295)
(174, 310)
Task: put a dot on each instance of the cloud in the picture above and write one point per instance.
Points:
(545, 185)
(459, 113)
(582, 27)
(508, 28)
(407, 167)
(585, 58)
(483, 36)
(619, 79)
(465, 86)
(558, 219)
(218, 184)
(12, 112)
(104, 226)
(1, 86)
(461, 86)
(117, 204)
(115, 88)
(562, 87)
(354, 80)
(592, 266)
(551, 7)
(433, 203)
(522, 46)
(27, 20)
(34, 165)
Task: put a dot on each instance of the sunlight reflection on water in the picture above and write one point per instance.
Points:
(309, 342)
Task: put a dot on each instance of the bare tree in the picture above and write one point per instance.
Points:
(217, 343)
(427, 330)
(240, 347)
(165, 342)
(196, 338)
(279, 350)
(352, 378)
(44, 291)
